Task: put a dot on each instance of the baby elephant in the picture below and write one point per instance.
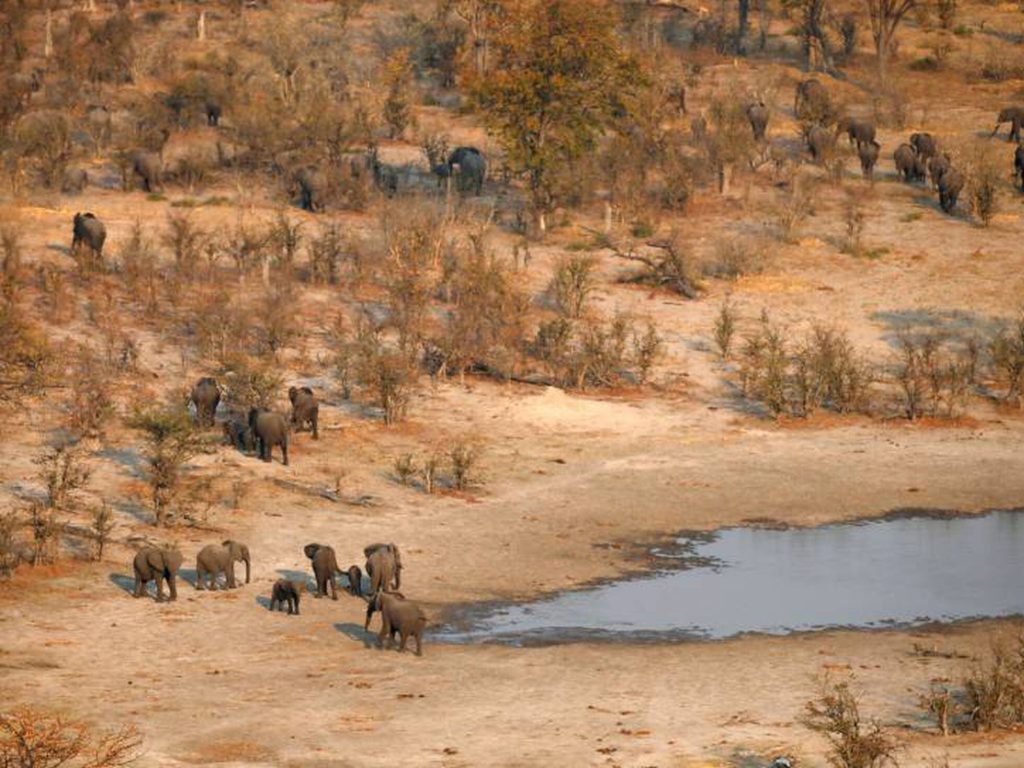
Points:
(399, 615)
(305, 409)
(355, 581)
(220, 558)
(286, 593)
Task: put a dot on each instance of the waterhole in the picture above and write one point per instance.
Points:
(902, 570)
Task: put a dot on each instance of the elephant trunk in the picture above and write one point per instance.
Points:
(246, 560)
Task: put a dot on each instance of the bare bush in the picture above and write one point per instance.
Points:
(795, 204)
(387, 372)
(91, 403)
(102, 528)
(405, 468)
(464, 460)
(171, 442)
(186, 241)
(47, 528)
(46, 136)
(933, 378)
(854, 742)
(724, 329)
(572, 283)
(252, 383)
(26, 356)
(994, 692)
(10, 554)
(1007, 350)
(62, 471)
(31, 738)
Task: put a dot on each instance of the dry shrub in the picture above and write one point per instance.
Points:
(572, 283)
(379, 367)
(1007, 350)
(465, 459)
(26, 357)
(854, 742)
(218, 326)
(405, 468)
(983, 166)
(171, 442)
(734, 257)
(139, 267)
(994, 692)
(91, 404)
(933, 378)
(101, 529)
(251, 383)
(795, 204)
(724, 329)
(62, 471)
(186, 241)
(30, 738)
(10, 552)
(46, 136)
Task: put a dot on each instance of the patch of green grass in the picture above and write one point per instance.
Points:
(912, 216)
(155, 197)
(874, 253)
(962, 31)
(185, 202)
(642, 229)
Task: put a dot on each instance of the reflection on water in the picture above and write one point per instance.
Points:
(902, 571)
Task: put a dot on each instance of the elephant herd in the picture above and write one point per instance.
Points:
(261, 430)
(383, 566)
(916, 160)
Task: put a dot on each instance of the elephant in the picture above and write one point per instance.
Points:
(305, 409)
(757, 114)
(213, 113)
(1015, 117)
(384, 567)
(909, 164)
(238, 434)
(215, 559)
(820, 142)
(400, 616)
(355, 581)
(313, 186)
(950, 185)
(924, 145)
(155, 564)
(384, 176)
(812, 103)
(1018, 165)
(88, 232)
(149, 166)
(284, 593)
(325, 566)
(269, 429)
(472, 168)
(858, 131)
(75, 180)
(442, 172)
(937, 166)
(206, 397)
(868, 154)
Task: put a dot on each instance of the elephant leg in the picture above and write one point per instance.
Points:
(200, 578)
(284, 451)
(139, 586)
(385, 631)
(172, 587)
(402, 636)
(316, 432)
(159, 588)
(369, 615)
(419, 643)
(231, 576)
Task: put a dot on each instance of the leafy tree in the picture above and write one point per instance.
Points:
(559, 77)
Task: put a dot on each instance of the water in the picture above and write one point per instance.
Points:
(899, 571)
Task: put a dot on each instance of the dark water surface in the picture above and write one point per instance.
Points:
(897, 571)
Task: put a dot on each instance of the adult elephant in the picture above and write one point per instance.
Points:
(937, 167)
(910, 166)
(74, 181)
(472, 168)
(215, 559)
(1018, 166)
(205, 396)
(305, 409)
(325, 567)
(312, 183)
(384, 567)
(857, 131)
(868, 154)
(950, 186)
(149, 166)
(269, 429)
(159, 565)
(757, 114)
(924, 145)
(1015, 117)
(88, 232)
(812, 102)
(820, 142)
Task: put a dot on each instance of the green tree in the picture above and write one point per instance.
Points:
(559, 78)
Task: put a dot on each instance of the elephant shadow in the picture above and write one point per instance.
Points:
(263, 601)
(121, 581)
(357, 633)
(188, 575)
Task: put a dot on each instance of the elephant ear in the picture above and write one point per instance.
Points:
(173, 559)
(155, 559)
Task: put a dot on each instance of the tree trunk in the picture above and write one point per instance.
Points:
(762, 22)
(48, 46)
(201, 26)
(743, 14)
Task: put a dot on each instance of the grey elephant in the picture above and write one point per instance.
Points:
(950, 186)
(909, 165)
(269, 429)
(400, 616)
(1015, 117)
(757, 114)
(924, 144)
(74, 181)
(868, 154)
(384, 567)
(857, 131)
(472, 168)
(238, 434)
(88, 232)
(1018, 166)
(812, 102)
(937, 166)
(149, 166)
(355, 580)
(313, 185)
(205, 396)
(156, 564)
(384, 176)
(213, 112)
(325, 566)
(305, 409)
(215, 559)
(820, 142)
(286, 593)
